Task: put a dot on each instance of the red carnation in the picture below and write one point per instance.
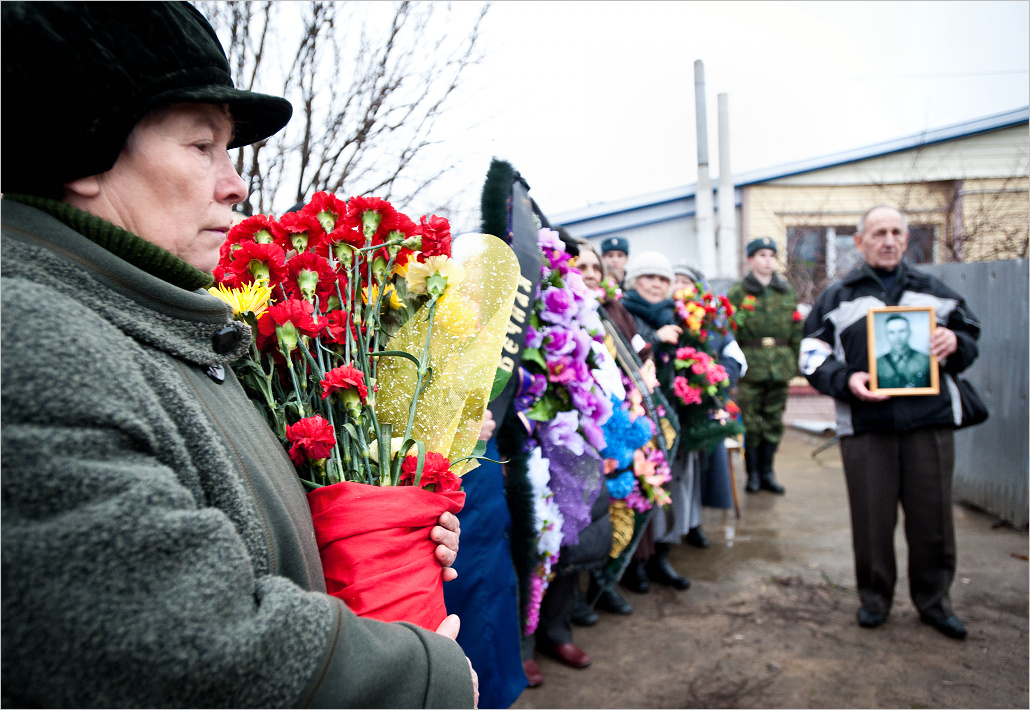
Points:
(334, 327)
(253, 261)
(284, 322)
(371, 216)
(436, 237)
(797, 316)
(301, 231)
(345, 377)
(436, 473)
(312, 438)
(259, 229)
(309, 275)
(403, 225)
(327, 209)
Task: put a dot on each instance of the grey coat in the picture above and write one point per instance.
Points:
(157, 547)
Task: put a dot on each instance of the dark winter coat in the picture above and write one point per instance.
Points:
(835, 347)
(157, 546)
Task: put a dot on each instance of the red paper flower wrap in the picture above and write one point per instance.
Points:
(376, 553)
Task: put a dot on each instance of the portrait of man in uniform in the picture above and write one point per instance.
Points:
(900, 350)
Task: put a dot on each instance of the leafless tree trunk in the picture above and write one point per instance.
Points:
(368, 82)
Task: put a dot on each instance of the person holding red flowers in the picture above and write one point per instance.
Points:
(157, 546)
(769, 332)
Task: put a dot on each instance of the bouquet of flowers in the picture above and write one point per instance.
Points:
(747, 306)
(559, 351)
(326, 289)
(609, 288)
(650, 468)
(699, 384)
(564, 352)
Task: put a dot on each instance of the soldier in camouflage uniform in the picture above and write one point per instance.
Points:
(770, 336)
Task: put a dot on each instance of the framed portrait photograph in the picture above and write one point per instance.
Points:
(900, 362)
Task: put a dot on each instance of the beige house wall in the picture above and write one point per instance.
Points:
(972, 189)
(773, 209)
(995, 219)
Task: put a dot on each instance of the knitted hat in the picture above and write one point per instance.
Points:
(615, 244)
(77, 77)
(689, 270)
(649, 263)
(760, 243)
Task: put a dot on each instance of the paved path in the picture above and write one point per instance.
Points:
(770, 619)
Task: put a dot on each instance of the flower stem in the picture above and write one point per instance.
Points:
(423, 366)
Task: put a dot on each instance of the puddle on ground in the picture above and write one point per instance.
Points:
(730, 548)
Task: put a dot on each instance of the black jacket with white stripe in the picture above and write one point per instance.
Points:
(835, 346)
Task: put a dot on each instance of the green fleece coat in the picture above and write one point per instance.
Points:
(157, 548)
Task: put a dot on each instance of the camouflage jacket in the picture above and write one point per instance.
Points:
(770, 336)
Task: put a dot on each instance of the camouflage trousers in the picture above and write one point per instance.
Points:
(761, 407)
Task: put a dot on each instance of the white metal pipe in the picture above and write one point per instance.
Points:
(703, 201)
(728, 242)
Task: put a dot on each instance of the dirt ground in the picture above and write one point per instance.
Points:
(770, 619)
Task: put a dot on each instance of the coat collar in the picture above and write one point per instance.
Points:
(906, 276)
(753, 286)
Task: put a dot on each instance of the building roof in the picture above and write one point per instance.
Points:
(687, 192)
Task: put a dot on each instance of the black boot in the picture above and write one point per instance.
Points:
(659, 570)
(607, 599)
(582, 614)
(635, 577)
(697, 538)
(766, 453)
(751, 461)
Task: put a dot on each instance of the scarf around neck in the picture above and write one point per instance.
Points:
(654, 314)
(134, 249)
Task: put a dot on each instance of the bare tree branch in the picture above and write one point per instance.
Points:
(368, 83)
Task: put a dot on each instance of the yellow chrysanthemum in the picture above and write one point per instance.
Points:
(435, 275)
(369, 294)
(252, 298)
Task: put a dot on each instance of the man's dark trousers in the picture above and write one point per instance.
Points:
(916, 468)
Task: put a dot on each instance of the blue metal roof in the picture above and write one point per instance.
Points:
(686, 192)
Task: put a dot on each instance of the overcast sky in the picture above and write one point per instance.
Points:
(594, 101)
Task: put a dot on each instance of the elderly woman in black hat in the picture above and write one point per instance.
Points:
(157, 546)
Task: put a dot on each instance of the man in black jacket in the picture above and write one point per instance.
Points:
(893, 448)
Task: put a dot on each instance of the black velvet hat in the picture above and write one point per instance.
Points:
(77, 77)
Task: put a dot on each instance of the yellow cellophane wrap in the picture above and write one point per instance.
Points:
(468, 332)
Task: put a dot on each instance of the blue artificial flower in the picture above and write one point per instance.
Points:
(621, 486)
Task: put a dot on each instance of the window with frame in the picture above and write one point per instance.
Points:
(829, 252)
(817, 255)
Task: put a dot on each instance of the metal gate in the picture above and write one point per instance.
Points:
(992, 461)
